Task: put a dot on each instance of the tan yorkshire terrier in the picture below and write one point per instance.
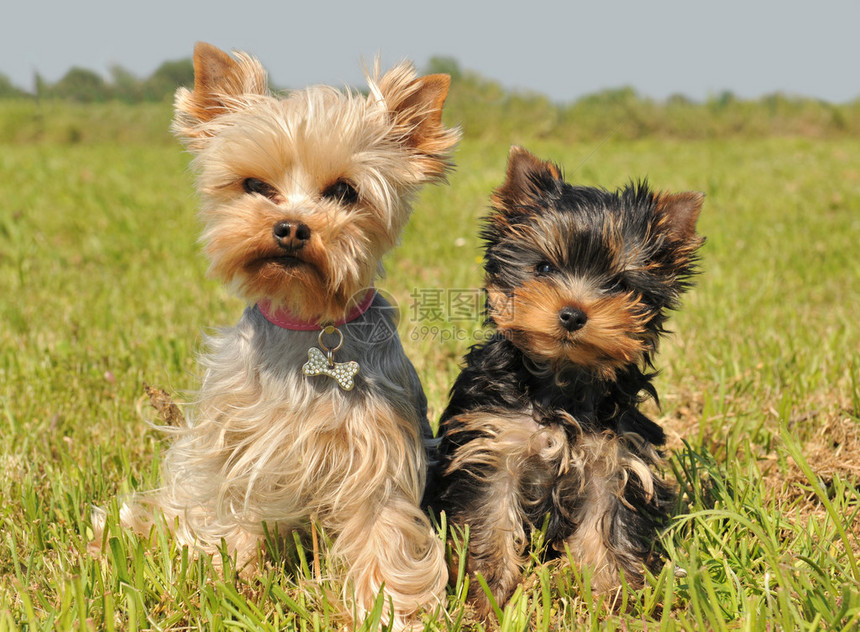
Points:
(306, 413)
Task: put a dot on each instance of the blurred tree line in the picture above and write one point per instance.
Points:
(86, 86)
(487, 109)
(83, 106)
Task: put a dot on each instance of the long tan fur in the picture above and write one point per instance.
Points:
(262, 442)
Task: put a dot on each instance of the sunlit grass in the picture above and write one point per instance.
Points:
(103, 288)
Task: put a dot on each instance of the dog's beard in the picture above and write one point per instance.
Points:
(612, 337)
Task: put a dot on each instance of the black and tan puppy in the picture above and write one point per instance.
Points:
(543, 422)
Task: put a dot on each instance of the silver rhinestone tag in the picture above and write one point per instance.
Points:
(320, 363)
(342, 372)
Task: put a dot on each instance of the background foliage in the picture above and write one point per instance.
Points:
(54, 112)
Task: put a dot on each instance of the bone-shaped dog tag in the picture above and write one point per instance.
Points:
(320, 363)
(342, 372)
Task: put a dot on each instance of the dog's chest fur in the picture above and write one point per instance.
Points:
(268, 360)
(287, 442)
(562, 433)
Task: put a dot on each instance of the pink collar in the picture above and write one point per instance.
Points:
(284, 319)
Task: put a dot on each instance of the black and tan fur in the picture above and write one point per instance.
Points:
(543, 422)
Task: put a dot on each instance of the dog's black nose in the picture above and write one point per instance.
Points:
(572, 319)
(291, 235)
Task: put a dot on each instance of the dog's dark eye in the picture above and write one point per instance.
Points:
(617, 286)
(253, 185)
(342, 192)
(544, 268)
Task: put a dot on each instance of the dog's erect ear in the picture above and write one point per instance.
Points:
(679, 212)
(221, 84)
(527, 178)
(415, 105)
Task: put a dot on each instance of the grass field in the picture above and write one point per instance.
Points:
(103, 289)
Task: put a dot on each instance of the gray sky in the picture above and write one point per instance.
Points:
(561, 49)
